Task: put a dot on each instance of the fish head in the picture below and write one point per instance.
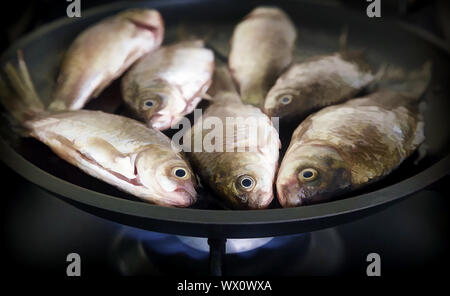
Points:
(249, 187)
(146, 19)
(288, 103)
(167, 175)
(159, 105)
(311, 174)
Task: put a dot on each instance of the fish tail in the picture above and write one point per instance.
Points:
(412, 84)
(357, 56)
(253, 95)
(343, 39)
(20, 99)
(419, 80)
(191, 40)
(223, 87)
(183, 34)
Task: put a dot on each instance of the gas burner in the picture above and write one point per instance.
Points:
(139, 252)
(232, 245)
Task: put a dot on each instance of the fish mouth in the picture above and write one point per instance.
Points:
(291, 201)
(273, 110)
(184, 196)
(269, 111)
(284, 114)
(160, 122)
(257, 201)
(261, 200)
(290, 194)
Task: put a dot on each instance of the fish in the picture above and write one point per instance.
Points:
(118, 150)
(350, 145)
(240, 170)
(167, 84)
(262, 46)
(316, 83)
(101, 53)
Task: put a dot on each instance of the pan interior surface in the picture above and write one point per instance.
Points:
(319, 27)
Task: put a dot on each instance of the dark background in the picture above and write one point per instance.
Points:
(20, 17)
(38, 230)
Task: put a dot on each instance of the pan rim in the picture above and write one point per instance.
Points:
(60, 187)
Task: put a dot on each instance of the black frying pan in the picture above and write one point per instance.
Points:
(319, 27)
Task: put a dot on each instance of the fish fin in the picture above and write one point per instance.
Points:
(418, 80)
(343, 39)
(357, 56)
(206, 96)
(62, 147)
(99, 89)
(411, 84)
(422, 151)
(105, 154)
(10, 101)
(31, 95)
(69, 151)
(22, 101)
(372, 86)
(223, 88)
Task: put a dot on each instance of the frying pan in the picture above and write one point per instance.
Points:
(319, 26)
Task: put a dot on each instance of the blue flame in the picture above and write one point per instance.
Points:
(165, 244)
(168, 244)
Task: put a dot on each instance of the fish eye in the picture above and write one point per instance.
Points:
(181, 173)
(148, 104)
(246, 183)
(286, 99)
(307, 175)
